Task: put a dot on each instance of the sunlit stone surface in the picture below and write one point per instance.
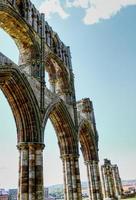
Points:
(32, 103)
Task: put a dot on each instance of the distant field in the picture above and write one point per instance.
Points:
(121, 199)
(130, 198)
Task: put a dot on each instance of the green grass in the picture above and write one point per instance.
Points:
(133, 198)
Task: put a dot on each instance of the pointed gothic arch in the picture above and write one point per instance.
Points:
(87, 140)
(13, 23)
(59, 75)
(26, 112)
(68, 145)
(63, 124)
(21, 99)
(89, 147)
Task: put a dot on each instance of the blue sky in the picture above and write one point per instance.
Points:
(103, 47)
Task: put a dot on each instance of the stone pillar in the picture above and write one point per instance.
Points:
(117, 181)
(72, 184)
(105, 182)
(39, 172)
(94, 182)
(23, 172)
(19, 173)
(97, 180)
(30, 171)
(64, 181)
(108, 182)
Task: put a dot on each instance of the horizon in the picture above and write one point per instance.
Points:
(61, 184)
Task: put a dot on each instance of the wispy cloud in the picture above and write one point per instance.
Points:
(95, 10)
(50, 7)
(78, 3)
(105, 9)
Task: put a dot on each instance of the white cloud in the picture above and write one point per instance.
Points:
(78, 3)
(50, 7)
(96, 10)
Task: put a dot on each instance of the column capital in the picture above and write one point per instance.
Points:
(22, 146)
(91, 162)
(95, 162)
(37, 146)
(88, 162)
(69, 156)
(30, 145)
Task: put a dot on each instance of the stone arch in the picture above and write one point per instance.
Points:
(87, 141)
(23, 104)
(89, 148)
(59, 76)
(63, 124)
(68, 145)
(12, 22)
(26, 112)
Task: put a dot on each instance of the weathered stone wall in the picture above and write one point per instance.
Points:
(111, 181)
(32, 103)
(88, 138)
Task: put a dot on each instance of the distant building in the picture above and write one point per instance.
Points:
(13, 194)
(129, 191)
(4, 197)
(111, 180)
(46, 193)
(3, 194)
(47, 196)
(129, 185)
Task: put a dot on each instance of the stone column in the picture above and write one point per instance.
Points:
(98, 185)
(105, 182)
(108, 182)
(64, 181)
(19, 173)
(72, 184)
(117, 182)
(94, 182)
(39, 171)
(23, 172)
(31, 171)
